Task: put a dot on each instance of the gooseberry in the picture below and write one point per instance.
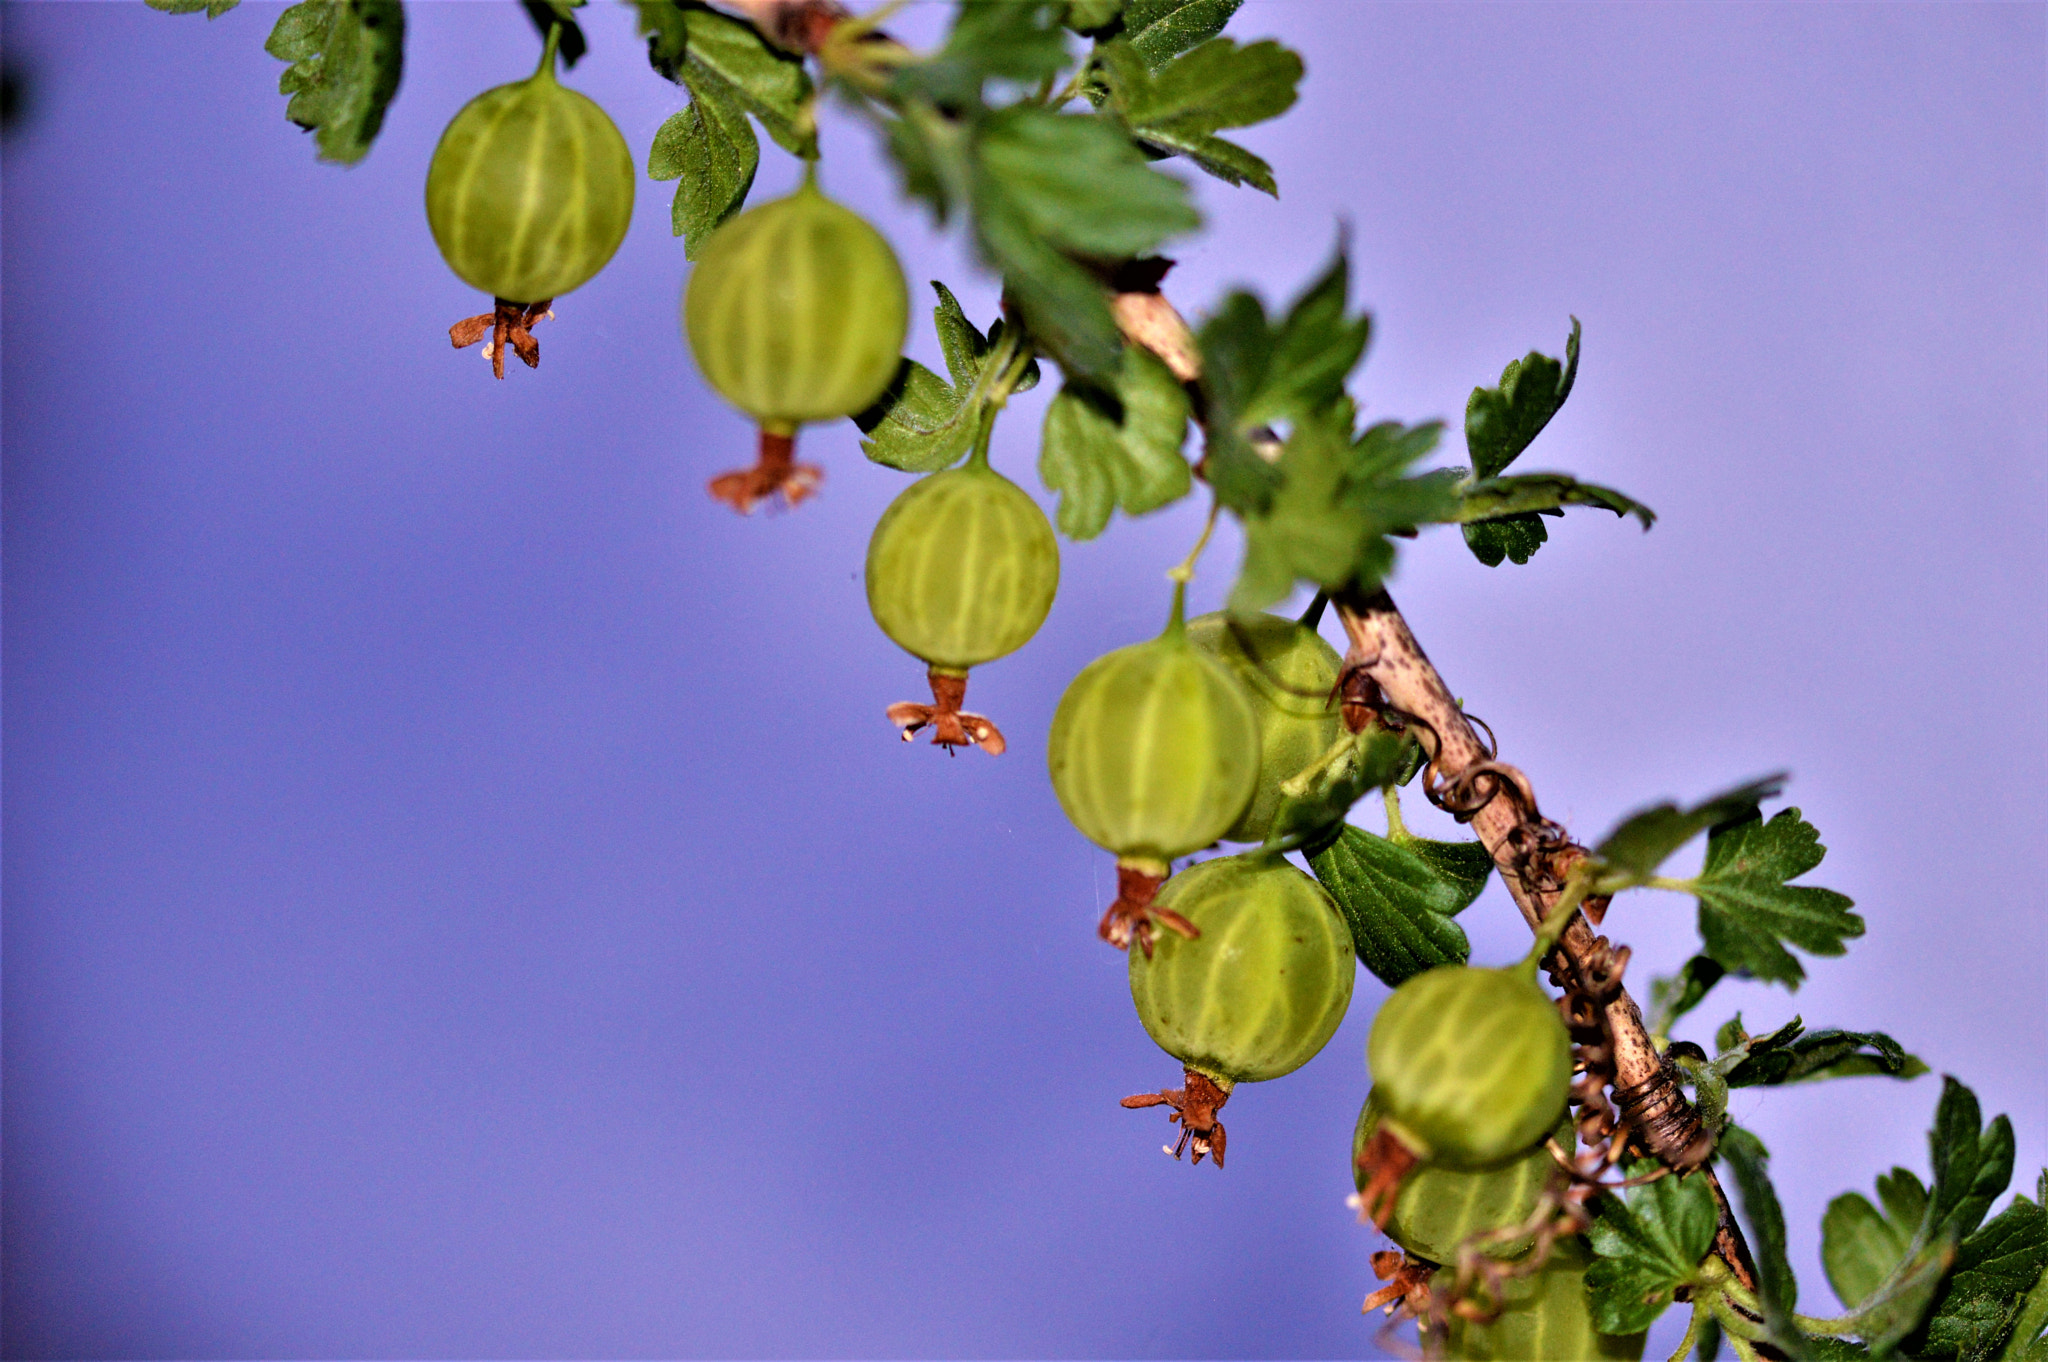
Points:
(1542, 1314)
(528, 195)
(796, 311)
(962, 568)
(1470, 1067)
(1255, 995)
(1437, 1209)
(1290, 673)
(1154, 752)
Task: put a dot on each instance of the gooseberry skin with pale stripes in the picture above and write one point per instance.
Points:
(1265, 985)
(1438, 1208)
(1471, 1064)
(1154, 750)
(530, 190)
(797, 311)
(1289, 673)
(1544, 1314)
(962, 568)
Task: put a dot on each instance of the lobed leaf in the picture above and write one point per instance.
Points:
(1399, 895)
(711, 149)
(1180, 105)
(1501, 421)
(921, 423)
(1631, 853)
(1014, 40)
(1981, 1303)
(213, 9)
(1104, 450)
(1647, 1247)
(1795, 1055)
(346, 60)
(1747, 911)
(1860, 1245)
(1160, 30)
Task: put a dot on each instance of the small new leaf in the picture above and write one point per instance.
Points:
(1646, 1248)
(1776, 1287)
(1981, 1302)
(1314, 802)
(1794, 1055)
(1972, 1162)
(1504, 515)
(1178, 107)
(1632, 852)
(1160, 30)
(922, 423)
(212, 9)
(346, 59)
(1747, 911)
(1674, 995)
(1022, 41)
(709, 147)
(1103, 450)
(1399, 895)
(1501, 421)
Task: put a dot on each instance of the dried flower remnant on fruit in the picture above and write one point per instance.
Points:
(952, 727)
(507, 325)
(1194, 1111)
(775, 477)
(1131, 917)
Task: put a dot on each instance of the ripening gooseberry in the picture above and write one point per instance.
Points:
(528, 195)
(1437, 1209)
(796, 311)
(962, 569)
(1154, 752)
(1290, 673)
(1255, 995)
(1543, 1314)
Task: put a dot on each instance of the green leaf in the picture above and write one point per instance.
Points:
(711, 148)
(1632, 852)
(1747, 911)
(1983, 1299)
(1972, 1163)
(1338, 501)
(704, 50)
(1160, 30)
(1674, 995)
(1503, 515)
(1514, 538)
(1048, 187)
(1313, 803)
(921, 423)
(1178, 107)
(1399, 894)
(1102, 451)
(2028, 1343)
(1793, 1055)
(1014, 40)
(1860, 1245)
(1776, 1288)
(213, 9)
(1646, 1248)
(1501, 421)
(346, 58)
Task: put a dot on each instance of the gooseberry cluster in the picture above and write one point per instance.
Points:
(1533, 1155)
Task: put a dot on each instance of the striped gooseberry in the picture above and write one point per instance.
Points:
(528, 195)
(1254, 996)
(1470, 1067)
(1154, 752)
(1437, 1209)
(962, 568)
(1544, 1313)
(1290, 673)
(796, 311)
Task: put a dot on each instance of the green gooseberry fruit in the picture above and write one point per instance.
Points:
(1255, 995)
(962, 569)
(530, 189)
(1290, 674)
(1437, 1209)
(1470, 1065)
(1154, 752)
(796, 311)
(1545, 1314)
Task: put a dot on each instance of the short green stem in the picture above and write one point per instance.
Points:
(1675, 886)
(1692, 1333)
(547, 53)
(1396, 828)
(1186, 571)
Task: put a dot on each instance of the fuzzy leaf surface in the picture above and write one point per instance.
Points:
(1160, 30)
(1501, 421)
(346, 60)
(1747, 911)
(1982, 1300)
(1646, 1248)
(1102, 451)
(699, 48)
(711, 149)
(212, 9)
(1179, 106)
(922, 423)
(1022, 41)
(1861, 1245)
(1632, 852)
(1399, 896)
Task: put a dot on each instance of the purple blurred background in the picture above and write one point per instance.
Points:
(463, 898)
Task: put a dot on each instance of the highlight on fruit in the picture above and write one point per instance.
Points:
(1290, 675)
(795, 312)
(529, 194)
